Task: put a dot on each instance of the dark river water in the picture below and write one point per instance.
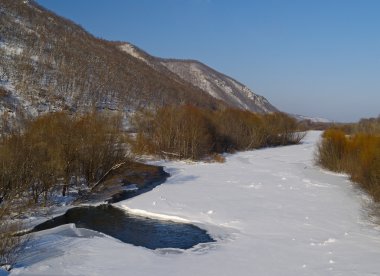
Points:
(136, 230)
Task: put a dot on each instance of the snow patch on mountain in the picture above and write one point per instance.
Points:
(214, 83)
(218, 85)
(130, 49)
(11, 49)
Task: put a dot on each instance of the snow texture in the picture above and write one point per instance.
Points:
(271, 211)
(128, 48)
(207, 79)
(218, 85)
(11, 50)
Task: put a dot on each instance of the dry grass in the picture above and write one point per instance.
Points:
(218, 158)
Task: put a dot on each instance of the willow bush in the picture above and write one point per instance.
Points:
(357, 154)
(188, 132)
(53, 149)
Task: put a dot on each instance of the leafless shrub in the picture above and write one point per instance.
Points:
(11, 242)
(58, 146)
(357, 155)
(191, 132)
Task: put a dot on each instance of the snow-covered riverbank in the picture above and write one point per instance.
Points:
(271, 211)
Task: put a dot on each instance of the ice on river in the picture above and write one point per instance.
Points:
(272, 212)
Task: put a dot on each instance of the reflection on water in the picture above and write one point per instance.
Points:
(140, 231)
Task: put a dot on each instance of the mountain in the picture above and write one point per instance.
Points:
(216, 84)
(311, 119)
(219, 85)
(49, 63)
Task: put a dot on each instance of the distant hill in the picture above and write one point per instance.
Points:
(311, 119)
(216, 84)
(49, 63)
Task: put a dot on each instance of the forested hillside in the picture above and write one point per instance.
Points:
(48, 63)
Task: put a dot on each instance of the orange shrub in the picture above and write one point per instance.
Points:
(332, 150)
(238, 129)
(182, 132)
(191, 132)
(366, 167)
(56, 147)
(357, 155)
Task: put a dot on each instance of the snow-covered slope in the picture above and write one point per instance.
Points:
(216, 84)
(48, 63)
(219, 85)
(272, 212)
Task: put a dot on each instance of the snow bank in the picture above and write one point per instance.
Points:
(144, 213)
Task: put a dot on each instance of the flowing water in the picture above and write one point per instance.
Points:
(136, 230)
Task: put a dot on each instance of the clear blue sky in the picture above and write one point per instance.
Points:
(315, 58)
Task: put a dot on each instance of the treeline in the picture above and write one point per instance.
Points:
(354, 149)
(188, 132)
(55, 150)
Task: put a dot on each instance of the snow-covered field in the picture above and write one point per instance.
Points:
(271, 211)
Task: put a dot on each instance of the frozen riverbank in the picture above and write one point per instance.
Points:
(272, 212)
